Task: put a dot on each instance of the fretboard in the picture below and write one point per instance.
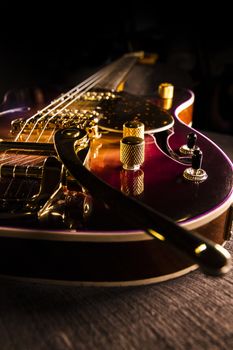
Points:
(118, 74)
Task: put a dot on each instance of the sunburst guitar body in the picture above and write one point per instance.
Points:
(77, 207)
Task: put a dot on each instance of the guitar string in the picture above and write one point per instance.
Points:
(10, 159)
(65, 106)
(61, 98)
(78, 93)
(86, 104)
(70, 102)
(88, 84)
(86, 87)
(77, 90)
(107, 73)
(64, 97)
(61, 110)
(96, 80)
(62, 102)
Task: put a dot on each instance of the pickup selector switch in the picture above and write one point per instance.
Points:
(191, 146)
(196, 173)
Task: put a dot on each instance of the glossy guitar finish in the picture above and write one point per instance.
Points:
(165, 189)
(102, 252)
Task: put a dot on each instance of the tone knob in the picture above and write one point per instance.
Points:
(133, 128)
(132, 151)
(166, 91)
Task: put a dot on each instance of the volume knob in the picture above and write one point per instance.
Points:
(133, 128)
(166, 90)
(132, 151)
(166, 93)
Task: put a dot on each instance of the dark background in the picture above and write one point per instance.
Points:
(54, 46)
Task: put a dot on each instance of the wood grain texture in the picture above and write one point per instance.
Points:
(192, 312)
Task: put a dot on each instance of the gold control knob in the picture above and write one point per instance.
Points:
(132, 151)
(133, 128)
(166, 90)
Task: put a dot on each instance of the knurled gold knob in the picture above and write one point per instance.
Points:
(133, 128)
(166, 90)
(132, 151)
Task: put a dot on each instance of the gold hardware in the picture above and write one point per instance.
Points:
(195, 175)
(166, 90)
(200, 248)
(56, 119)
(120, 87)
(133, 128)
(132, 150)
(98, 96)
(157, 235)
(166, 103)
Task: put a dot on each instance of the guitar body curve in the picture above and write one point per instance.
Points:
(107, 256)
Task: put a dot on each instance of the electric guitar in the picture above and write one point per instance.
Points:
(103, 187)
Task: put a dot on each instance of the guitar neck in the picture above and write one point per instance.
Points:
(119, 73)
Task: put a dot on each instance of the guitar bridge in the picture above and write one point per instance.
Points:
(54, 120)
